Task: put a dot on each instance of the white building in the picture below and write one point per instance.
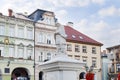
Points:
(16, 47)
(45, 47)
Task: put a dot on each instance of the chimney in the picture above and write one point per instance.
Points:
(10, 12)
(70, 24)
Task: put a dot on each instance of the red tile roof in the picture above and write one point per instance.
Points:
(76, 36)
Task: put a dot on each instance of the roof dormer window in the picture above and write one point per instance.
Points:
(80, 37)
(73, 36)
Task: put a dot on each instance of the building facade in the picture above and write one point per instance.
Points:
(114, 56)
(45, 47)
(16, 48)
(84, 48)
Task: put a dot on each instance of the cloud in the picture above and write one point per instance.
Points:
(109, 11)
(69, 3)
(61, 15)
(100, 31)
(98, 1)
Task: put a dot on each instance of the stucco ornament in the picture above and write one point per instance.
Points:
(60, 39)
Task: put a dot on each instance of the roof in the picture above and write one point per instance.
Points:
(40, 10)
(76, 36)
(116, 46)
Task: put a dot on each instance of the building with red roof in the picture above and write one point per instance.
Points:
(83, 48)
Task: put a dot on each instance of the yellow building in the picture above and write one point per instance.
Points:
(114, 56)
(83, 48)
(16, 47)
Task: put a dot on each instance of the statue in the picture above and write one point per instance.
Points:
(60, 39)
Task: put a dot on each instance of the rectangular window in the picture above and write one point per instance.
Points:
(77, 57)
(40, 38)
(41, 56)
(118, 67)
(7, 70)
(69, 47)
(29, 53)
(2, 50)
(77, 48)
(29, 33)
(2, 30)
(94, 50)
(21, 32)
(20, 52)
(12, 31)
(84, 49)
(48, 56)
(94, 61)
(49, 39)
(84, 59)
(11, 51)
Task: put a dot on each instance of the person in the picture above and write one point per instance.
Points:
(60, 39)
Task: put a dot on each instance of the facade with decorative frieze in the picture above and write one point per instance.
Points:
(16, 48)
(45, 28)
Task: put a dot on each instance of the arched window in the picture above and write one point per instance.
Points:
(82, 75)
(40, 75)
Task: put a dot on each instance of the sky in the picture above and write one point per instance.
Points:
(98, 19)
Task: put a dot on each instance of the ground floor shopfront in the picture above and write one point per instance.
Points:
(17, 69)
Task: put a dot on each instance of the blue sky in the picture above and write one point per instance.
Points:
(99, 19)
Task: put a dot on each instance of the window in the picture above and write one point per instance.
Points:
(77, 57)
(29, 33)
(2, 30)
(29, 52)
(84, 49)
(94, 62)
(84, 59)
(118, 67)
(73, 36)
(48, 56)
(21, 32)
(77, 49)
(2, 50)
(49, 39)
(11, 51)
(94, 50)
(41, 56)
(7, 70)
(69, 47)
(12, 31)
(20, 52)
(41, 38)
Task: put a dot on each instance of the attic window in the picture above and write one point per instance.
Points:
(73, 36)
(80, 37)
